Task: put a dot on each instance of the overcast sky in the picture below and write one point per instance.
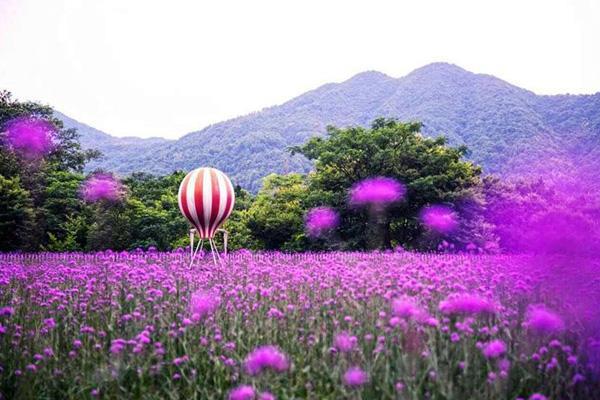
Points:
(165, 68)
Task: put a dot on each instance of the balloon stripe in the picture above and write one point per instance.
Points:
(190, 198)
(226, 205)
(207, 200)
(215, 197)
(222, 201)
(198, 202)
(226, 201)
(232, 195)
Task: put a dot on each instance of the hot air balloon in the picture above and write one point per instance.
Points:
(206, 199)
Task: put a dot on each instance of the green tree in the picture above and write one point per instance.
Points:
(74, 237)
(240, 235)
(156, 219)
(66, 156)
(16, 215)
(62, 204)
(111, 227)
(432, 172)
(276, 217)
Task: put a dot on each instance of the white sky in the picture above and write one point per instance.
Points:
(165, 68)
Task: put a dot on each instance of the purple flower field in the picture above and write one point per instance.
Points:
(318, 326)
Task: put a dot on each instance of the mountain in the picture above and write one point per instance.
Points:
(117, 152)
(505, 127)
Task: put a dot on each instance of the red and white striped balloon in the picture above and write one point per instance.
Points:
(206, 199)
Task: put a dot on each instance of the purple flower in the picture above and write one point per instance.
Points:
(244, 392)
(406, 308)
(100, 187)
(203, 304)
(380, 190)
(275, 313)
(266, 357)
(49, 323)
(344, 342)
(117, 345)
(468, 304)
(30, 137)
(355, 377)
(267, 396)
(7, 311)
(439, 218)
(537, 396)
(180, 360)
(320, 220)
(572, 360)
(542, 321)
(494, 349)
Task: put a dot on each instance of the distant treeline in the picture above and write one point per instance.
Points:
(41, 207)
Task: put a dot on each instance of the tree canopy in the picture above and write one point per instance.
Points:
(432, 172)
(42, 207)
(41, 198)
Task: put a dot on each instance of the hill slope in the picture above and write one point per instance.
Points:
(123, 155)
(505, 127)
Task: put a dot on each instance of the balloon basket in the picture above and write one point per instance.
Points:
(218, 259)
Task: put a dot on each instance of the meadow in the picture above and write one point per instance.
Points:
(378, 325)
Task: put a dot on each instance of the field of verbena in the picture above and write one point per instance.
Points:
(75, 326)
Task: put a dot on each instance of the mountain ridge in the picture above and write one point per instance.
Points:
(505, 127)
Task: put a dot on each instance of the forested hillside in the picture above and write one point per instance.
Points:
(505, 127)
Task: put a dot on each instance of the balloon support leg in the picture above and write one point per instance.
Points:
(217, 258)
(195, 252)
